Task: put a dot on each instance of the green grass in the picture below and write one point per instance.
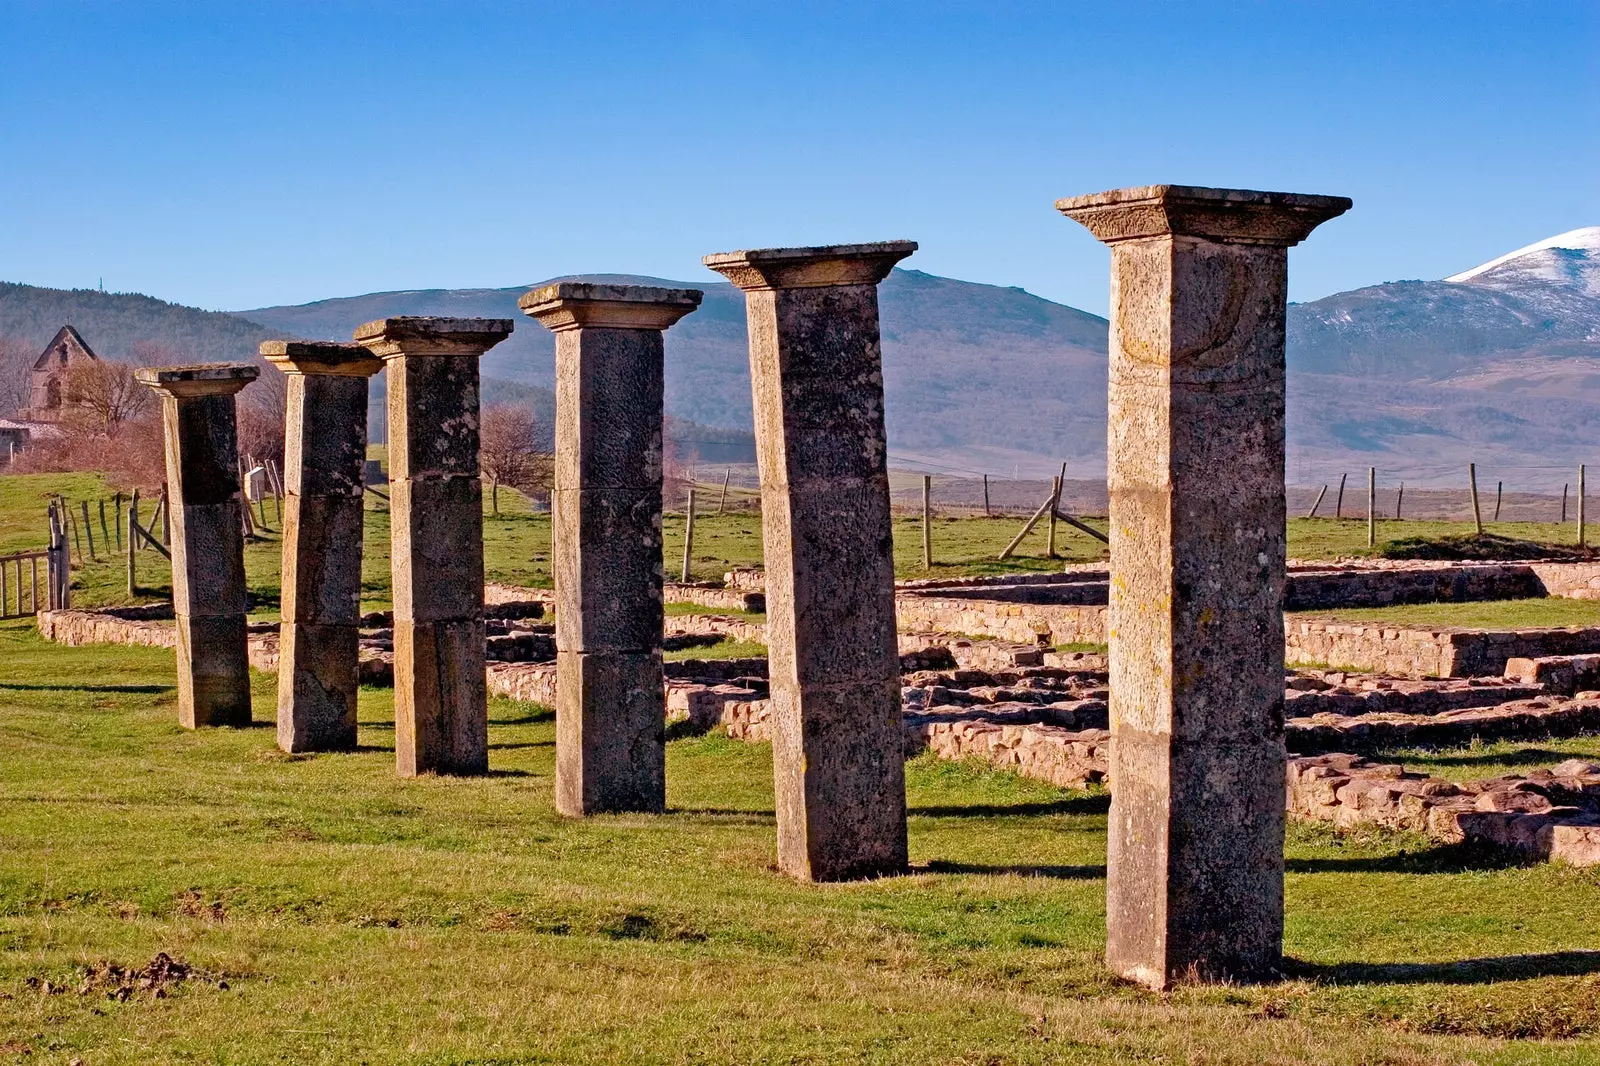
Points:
(1497, 758)
(1328, 538)
(1542, 612)
(725, 648)
(358, 917)
(679, 609)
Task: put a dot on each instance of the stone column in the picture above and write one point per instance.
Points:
(817, 378)
(441, 714)
(1196, 475)
(325, 446)
(207, 538)
(610, 694)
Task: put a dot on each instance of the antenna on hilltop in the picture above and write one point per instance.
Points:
(102, 284)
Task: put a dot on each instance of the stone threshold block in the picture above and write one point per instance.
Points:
(436, 535)
(208, 586)
(606, 540)
(1195, 619)
(817, 378)
(325, 444)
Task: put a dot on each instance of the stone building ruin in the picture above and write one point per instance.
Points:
(1209, 741)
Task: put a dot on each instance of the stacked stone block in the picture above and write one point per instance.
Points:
(817, 376)
(1195, 621)
(436, 537)
(325, 445)
(207, 538)
(606, 521)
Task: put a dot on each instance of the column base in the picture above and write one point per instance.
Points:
(611, 715)
(213, 672)
(838, 755)
(441, 700)
(317, 684)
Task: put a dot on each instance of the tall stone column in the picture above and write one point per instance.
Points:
(610, 693)
(325, 446)
(1196, 447)
(817, 377)
(207, 542)
(441, 714)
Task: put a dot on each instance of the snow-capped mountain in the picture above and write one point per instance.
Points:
(1498, 364)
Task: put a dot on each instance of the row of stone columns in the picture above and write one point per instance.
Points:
(1196, 465)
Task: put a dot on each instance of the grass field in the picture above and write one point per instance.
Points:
(1484, 614)
(336, 914)
(355, 917)
(517, 543)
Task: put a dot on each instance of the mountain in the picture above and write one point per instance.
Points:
(978, 377)
(1498, 365)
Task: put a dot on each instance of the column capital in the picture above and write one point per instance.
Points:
(1228, 216)
(388, 338)
(564, 305)
(197, 379)
(810, 268)
(321, 357)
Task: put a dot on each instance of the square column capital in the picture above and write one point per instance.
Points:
(197, 379)
(1227, 216)
(810, 268)
(321, 357)
(389, 338)
(564, 305)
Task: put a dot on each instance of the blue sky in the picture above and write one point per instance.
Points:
(232, 155)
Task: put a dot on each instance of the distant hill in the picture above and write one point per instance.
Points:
(1499, 364)
(978, 376)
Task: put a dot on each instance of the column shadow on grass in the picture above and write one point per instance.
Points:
(1088, 804)
(1443, 859)
(152, 690)
(1460, 972)
(1058, 873)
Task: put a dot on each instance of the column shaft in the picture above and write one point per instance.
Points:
(324, 454)
(436, 538)
(610, 692)
(207, 539)
(817, 380)
(1196, 469)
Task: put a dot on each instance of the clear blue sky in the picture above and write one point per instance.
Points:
(231, 155)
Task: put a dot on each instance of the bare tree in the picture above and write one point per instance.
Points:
(508, 451)
(263, 416)
(103, 395)
(16, 378)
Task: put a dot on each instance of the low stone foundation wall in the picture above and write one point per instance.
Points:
(1417, 651)
(1564, 674)
(1023, 623)
(717, 597)
(1547, 814)
(1538, 718)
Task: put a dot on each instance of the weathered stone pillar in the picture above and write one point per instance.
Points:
(1196, 447)
(441, 714)
(207, 538)
(325, 446)
(817, 377)
(610, 694)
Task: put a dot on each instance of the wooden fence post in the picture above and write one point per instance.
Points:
(1372, 507)
(1050, 526)
(105, 534)
(1472, 483)
(133, 542)
(722, 501)
(1497, 487)
(1398, 500)
(927, 521)
(1580, 505)
(1564, 503)
(1338, 505)
(116, 518)
(986, 495)
(688, 536)
(1317, 503)
(88, 528)
(1028, 526)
